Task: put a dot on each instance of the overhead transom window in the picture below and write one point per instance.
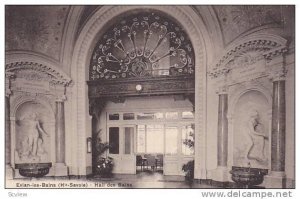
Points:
(146, 44)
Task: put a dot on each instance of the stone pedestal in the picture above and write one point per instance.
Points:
(9, 172)
(60, 169)
(275, 180)
(221, 174)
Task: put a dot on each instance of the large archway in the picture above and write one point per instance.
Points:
(81, 121)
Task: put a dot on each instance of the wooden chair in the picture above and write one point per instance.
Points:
(140, 162)
(146, 156)
(151, 161)
(160, 161)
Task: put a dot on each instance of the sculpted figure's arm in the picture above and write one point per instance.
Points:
(251, 127)
(258, 134)
(254, 132)
(40, 129)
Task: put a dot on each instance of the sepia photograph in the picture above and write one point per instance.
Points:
(149, 97)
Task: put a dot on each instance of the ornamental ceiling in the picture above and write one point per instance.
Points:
(40, 28)
(236, 20)
(35, 28)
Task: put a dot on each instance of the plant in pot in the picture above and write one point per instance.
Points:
(188, 168)
(103, 164)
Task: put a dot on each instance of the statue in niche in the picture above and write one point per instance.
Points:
(32, 146)
(256, 136)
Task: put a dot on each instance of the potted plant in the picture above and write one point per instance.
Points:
(104, 167)
(103, 164)
(188, 168)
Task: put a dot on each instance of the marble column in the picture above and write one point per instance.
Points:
(60, 132)
(8, 128)
(222, 130)
(8, 138)
(278, 127)
(276, 177)
(221, 173)
(60, 167)
(7, 132)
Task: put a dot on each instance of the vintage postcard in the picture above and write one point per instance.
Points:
(149, 96)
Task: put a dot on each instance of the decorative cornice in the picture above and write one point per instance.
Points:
(53, 75)
(268, 46)
(275, 52)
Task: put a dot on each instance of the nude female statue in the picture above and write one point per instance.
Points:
(256, 136)
(35, 133)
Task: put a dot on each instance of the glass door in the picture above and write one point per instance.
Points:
(171, 166)
(128, 156)
(121, 140)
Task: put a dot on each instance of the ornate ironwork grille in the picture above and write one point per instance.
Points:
(145, 44)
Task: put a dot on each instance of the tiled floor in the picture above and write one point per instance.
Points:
(150, 179)
(145, 179)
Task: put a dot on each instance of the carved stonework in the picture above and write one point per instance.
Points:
(18, 98)
(8, 77)
(34, 126)
(33, 81)
(276, 68)
(96, 105)
(155, 86)
(250, 60)
(245, 55)
(278, 75)
(143, 44)
(251, 130)
(37, 72)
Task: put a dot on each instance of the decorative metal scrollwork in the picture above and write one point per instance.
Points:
(143, 44)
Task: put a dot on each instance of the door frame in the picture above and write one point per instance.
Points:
(121, 156)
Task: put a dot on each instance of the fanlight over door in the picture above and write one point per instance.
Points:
(145, 44)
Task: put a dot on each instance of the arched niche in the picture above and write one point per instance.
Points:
(31, 145)
(34, 87)
(250, 129)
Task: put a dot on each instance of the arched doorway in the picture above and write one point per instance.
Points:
(143, 59)
(87, 40)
